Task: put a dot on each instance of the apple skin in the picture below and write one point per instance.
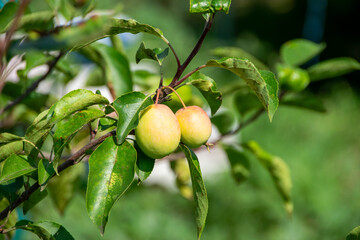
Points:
(195, 126)
(158, 132)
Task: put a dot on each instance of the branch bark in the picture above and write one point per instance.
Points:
(69, 162)
(33, 86)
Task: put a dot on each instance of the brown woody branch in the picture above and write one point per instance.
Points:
(69, 162)
(33, 86)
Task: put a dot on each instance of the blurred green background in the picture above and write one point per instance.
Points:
(322, 150)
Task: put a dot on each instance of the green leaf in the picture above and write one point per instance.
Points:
(333, 68)
(224, 121)
(144, 164)
(10, 221)
(7, 13)
(74, 101)
(9, 144)
(106, 123)
(45, 171)
(304, 100)
(154, 54)
(36, 133)
(354, 234)
(101, 27)
(263, 83)
(272, 87)
(132, 26)
(209, 6)
(238, 53)
(10, 148)
(45, 230)
(246, 102)
(67, 128)
(199, 191)
(128, 107)
(240, 165)
(34, 59)
(75, 37)
(111, 173)
(40, 21)
(63, 188)
(34, 199)
(298, 51)
(278, 170)
(67, 9)
(11, 188)
(6, 138)
(207, 87)
(117, 69)
(15, 166)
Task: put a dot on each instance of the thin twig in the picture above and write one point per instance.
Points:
(5, 44)
(193, 53)
(176, 56)
(69, 162)
(189, 74)
(34, 85)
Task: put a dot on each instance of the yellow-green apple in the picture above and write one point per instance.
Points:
(158, 132)
(195, 126)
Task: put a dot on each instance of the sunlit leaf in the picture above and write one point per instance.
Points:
(128, 107)
(207, 87)
(67, 128)
(74, 101)
(45, 230)
(206, 6)
(262, 82)
(111, 173)
(15, 166)
(238, 53)
(199, 191)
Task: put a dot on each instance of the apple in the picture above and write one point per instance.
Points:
(195, 126)
(158, 132)
(293, 79)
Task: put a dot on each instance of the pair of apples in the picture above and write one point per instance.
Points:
(160, 130)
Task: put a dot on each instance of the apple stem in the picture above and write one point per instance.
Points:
(157, 96)
(182, 102)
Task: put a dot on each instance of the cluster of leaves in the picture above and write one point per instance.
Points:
(115, 161)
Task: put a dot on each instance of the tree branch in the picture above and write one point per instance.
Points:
(193, 53)
(5, 44)
(34, 85)
(69, 162)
